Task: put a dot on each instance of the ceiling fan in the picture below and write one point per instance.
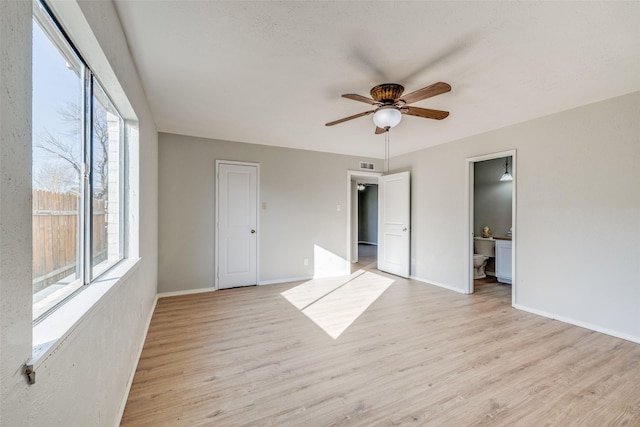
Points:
(390, 104)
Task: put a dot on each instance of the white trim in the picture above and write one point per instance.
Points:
(586, 325)
(213, 289)
(438, 284)
(514, 222)
(469, 204)
(351, 258)
(215, 236)
(186, 292)
(286, 280)
(123, 404)
(470, 161)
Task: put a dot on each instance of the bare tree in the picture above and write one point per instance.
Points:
(67, 148)
(56, 177)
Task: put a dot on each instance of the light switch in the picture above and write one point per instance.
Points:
(338, 208)
(264, 206)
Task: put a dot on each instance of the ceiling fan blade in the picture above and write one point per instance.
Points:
(368, 58)
(360, 98)
(381, 130)
(426, 92)
(425, 112)
(445, 54)
(355, 116)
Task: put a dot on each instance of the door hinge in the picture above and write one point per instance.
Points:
(30, 373)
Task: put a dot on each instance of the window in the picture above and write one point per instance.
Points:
(106, 183)
(78, 170)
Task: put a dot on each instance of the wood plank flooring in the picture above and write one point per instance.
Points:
(418, 356)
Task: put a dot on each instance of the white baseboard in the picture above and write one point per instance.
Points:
(123, 404)
(440, 285)
(579, 323)
(287, 280)
(186, 292)
(211, 289)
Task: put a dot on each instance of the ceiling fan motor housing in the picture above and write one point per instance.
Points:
(387, 93)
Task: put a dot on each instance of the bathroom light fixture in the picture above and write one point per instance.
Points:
(387, 117)
(361, 187)
(506, 176)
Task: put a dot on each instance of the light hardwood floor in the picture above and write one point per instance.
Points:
(419, 355)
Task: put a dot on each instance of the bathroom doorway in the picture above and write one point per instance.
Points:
(491, 187)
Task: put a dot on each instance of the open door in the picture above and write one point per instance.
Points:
(394, 199)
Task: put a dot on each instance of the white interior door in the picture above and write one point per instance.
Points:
(394, 199)
(237, 236)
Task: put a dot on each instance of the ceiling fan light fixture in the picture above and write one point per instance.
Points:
(387, 117)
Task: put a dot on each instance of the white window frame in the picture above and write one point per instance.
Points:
(88, 274)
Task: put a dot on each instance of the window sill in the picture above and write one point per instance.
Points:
(51, 332)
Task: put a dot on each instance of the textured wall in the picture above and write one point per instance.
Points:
(84, 381)
(15, 204)
(576, 227)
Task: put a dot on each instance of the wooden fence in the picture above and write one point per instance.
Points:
(56, 233)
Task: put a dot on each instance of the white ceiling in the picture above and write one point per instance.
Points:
(272, 72)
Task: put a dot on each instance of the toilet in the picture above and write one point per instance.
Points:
(483, 249)
(479, 263)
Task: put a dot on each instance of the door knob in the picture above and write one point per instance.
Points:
(253, 231)
(404, 229)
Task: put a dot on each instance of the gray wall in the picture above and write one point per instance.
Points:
(596, 147)
(301, 190)
(492, 197)
(577, 226)
(84, 382)
(368, 214)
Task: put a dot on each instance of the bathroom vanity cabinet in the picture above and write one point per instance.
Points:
(503, 261)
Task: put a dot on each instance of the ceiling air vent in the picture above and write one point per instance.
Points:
(367, 165)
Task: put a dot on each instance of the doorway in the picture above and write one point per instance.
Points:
(362, 234)
(367, 223)
(393, 220)
(236, 237)
(491, 189)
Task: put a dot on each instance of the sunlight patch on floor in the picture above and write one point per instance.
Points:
(309, 292)
(335, 303)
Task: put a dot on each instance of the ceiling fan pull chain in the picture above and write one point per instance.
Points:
(386, 151)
